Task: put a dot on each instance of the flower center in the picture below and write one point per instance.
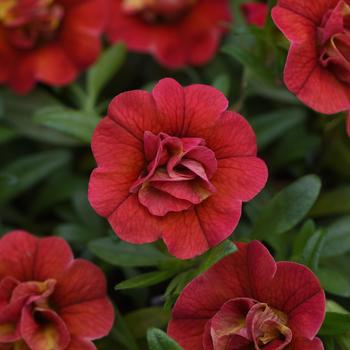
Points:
(158, 11)
(29, 304)
(334, 41)
(177, 175)
(268, 326)
(30, 24)
(246, 323)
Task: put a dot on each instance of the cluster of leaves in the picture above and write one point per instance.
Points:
(302, 215)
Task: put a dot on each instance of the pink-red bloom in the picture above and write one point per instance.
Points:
(176, 32)
(248, 301)
(174, 164)
(255, 13)
(48, 300)
(318, 64)
(49, 41)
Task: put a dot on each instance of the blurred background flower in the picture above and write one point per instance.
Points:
(48, 41)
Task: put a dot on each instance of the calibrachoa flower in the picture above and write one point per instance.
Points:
(176, 32)
(48, 300)
(174, 164)
(248, 301)
(255, 13)
(318, 63)
(48, 41)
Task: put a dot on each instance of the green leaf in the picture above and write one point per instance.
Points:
(328, 342)
(48, 195)
(176, 285)
(19, 111)
(216, 254)
(124, 254)
(146, 279)
(344, 342)
(313, 248)
(78, 124)
(300, 241)
(25, 172)
(271, 92)
(6, 134)
(159, 340)
(337, 240)
(99, 75)
(250, 61)
(336, 324)
(288, 207)
(332, 306)
(141, 320)
(334, 281)
(86, 215)
(288, 151)
(75, 233)
(333, 202)
(222, 83)
(270, 126)
(122, 334)
(27, 104)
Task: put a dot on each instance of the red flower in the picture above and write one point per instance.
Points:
(318, 64)
(177, 33)
(48, 300)
(255, 13)
(48, 41)
(174, 164)
(247, 301)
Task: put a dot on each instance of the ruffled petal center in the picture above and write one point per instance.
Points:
(243, 323)
(155, 11)
(177, 175)
(334, 41)
(27, 316)
(29, 24)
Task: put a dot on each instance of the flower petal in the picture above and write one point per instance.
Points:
(296, 291)
(313, 11)
(133, 223)
(170, 100)
(187, 190)
(15, 247)
(232, 136)
(160, 203)
(188, 333)
(89, 15)
(121, 161)
(296, 27)
(203, 107)
(82, 281)
(243, 178)
(136, 112)
(307, 344)
(80, 344)
(53, 256)
(53, 66)
(240, 274)
(80, 33)
(23, 76)
(309, 81)
(230, 321)
(218, 216)
(52, 334)
(91, 319)
(183, 234)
